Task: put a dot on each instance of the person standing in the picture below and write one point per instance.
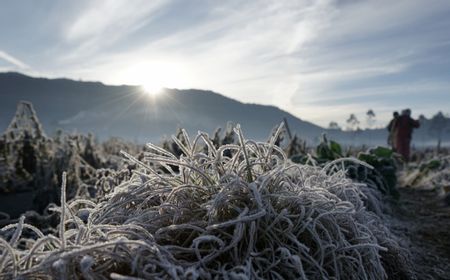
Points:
(403, 128)
(391, 130)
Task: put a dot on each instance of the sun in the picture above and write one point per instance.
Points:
(152, 89)
(155, 75)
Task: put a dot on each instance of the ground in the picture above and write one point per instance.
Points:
(422, 219)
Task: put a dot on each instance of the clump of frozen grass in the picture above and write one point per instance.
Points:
(240, 211)
(431, 174)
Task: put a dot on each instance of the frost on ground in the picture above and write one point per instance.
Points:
(422, 221)
(429, 174)
(238, 211)
(422, 216)
(31, 164)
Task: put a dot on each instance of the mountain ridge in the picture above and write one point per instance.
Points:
(126, 111)
(190, 108)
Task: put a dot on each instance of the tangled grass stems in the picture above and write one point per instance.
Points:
(246, 214)
(62, 225)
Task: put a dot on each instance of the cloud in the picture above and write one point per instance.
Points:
(298, 55)
(99, 24)
(13, 60)
(383, 92)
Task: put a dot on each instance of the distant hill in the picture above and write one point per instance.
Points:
(127, 112)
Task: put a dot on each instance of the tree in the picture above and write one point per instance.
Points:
(352, 122)
(334, 125)
(422, 118)
(438, 123)
(370, 118)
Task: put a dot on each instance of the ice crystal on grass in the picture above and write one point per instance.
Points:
(237, 211)
(31, 164)
(25, 123)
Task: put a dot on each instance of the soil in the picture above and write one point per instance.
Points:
(421, 218)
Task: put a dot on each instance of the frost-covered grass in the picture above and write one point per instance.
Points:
(428, 174)
(239, 211)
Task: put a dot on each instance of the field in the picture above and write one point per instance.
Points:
(217, 206)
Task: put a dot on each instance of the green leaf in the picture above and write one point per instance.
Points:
(336, 148)
(381, 152)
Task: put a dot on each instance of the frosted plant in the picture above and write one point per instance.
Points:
(25, 120)
(31, 162)
(251, 215)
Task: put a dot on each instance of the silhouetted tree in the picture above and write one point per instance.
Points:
(370, 118)
(438, 123)
(334, 125)
(422, 119)
(352, 122)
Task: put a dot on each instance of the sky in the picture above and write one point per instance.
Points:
(319, 60)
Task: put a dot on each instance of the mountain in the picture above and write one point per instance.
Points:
(128, 112)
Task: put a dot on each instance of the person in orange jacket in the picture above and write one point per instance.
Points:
(403, 129)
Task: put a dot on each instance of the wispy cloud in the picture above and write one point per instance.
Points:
(238, 43)
(383, 92)
(316, 59)
(13, 60)
(101, 23)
